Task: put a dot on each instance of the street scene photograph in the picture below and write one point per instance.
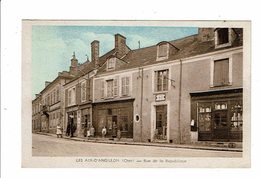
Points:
(137, 91)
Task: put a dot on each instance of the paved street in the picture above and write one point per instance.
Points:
(43, 145)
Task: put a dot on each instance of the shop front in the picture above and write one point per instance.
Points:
(217, 115)
(114, 116)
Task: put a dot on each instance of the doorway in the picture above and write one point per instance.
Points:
(220, 125)
(161, 122)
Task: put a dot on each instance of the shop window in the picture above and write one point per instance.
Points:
(204, 117)
(161, 80)
(125, 86)
(221, 72)
(236, 117)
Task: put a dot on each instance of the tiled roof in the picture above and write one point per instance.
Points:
(188, 47)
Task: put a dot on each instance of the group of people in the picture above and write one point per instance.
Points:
(89, 130)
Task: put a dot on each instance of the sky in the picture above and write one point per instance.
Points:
(53, 46)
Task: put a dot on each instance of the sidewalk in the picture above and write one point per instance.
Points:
(198, 145)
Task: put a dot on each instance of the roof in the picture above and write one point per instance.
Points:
(188, 47)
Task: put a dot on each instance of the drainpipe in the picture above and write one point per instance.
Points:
(179, 111)
(141, 106)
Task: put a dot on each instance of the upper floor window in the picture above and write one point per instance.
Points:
(109, 88)
(125, 86)
(72, 96)
(161, 80)
(162, 51)
(221, 72)
(223, 36)
(83, 91)
(111, 63)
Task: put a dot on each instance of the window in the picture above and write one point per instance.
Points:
(236, 116)
(223, 36)
(125, 86)
(204, 117)
(72, 96)
(109, 88)
(221, 72)
(124, 123)
(162, 50)
(161, 80)
(83, 91)
(111, 63)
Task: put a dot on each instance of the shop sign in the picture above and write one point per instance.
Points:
(160, 97)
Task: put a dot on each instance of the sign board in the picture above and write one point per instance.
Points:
(160, 97)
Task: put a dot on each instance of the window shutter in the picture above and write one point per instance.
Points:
(123, 86)
(155, 81)
(102, 89)
(127, 86)
(115, 84)
(221, 72)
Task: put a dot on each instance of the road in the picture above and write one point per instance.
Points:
(43, 145)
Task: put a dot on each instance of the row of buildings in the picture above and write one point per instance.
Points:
(180, 91)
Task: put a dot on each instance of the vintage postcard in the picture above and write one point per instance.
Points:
(136, 94)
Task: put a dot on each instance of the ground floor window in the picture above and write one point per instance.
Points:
(115, 117)
(218, 118)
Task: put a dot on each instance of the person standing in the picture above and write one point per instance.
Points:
(59, 131)
(104, 132)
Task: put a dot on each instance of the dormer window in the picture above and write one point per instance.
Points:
(111, 63)
(162, 51)
(224, 37)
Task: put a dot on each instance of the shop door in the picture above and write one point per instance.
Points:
(220, 125)
(161, 122)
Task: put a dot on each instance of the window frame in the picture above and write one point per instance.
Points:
(71, 99)
(230, 72)
(155, 83)
(217, 45)
(159, 57)
(111, 63)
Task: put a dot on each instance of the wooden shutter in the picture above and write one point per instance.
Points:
(127, 86)
(102, 89)
(155, 80)
(115, 85)
(123, 82)
(221, 72)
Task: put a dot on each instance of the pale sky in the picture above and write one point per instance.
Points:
(53, 46)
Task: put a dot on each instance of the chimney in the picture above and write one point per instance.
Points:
(206, 34)
(95, 52)
(120, 45)
(47, 83)
(74, 65)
